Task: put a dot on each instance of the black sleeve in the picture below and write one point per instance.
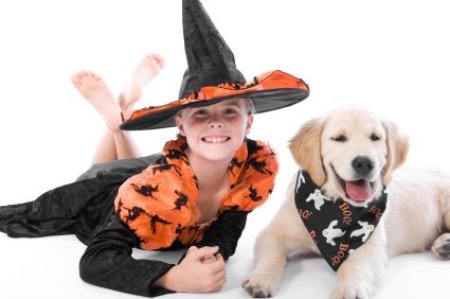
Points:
(107, 262)
(225, 232)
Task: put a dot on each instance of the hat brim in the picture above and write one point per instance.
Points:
(268, 92)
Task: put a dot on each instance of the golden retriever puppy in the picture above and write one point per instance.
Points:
(337, 205)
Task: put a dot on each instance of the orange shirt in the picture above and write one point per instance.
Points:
(160, 204)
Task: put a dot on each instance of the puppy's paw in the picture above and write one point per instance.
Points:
(261, 285)
(351, 291)
(441, 247)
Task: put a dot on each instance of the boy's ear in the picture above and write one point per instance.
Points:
(180, 125)
(249, 123)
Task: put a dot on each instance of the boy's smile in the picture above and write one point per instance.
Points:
(215, 139)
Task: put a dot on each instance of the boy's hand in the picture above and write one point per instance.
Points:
(201, 271)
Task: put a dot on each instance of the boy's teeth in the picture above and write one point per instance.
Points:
(215, 139)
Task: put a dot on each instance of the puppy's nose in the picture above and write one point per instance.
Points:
(362, 165)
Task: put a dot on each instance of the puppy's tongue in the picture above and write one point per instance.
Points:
(359, 190)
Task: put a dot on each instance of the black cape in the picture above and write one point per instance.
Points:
(86, 208)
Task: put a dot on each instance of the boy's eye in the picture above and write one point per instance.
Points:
(229, 111)
(201, 112)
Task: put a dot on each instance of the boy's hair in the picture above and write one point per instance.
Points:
(248, 106)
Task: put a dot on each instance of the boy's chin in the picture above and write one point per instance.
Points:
(218, 157)
(216, 152)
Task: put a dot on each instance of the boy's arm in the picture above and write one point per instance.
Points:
(107, 262)
(225, 232)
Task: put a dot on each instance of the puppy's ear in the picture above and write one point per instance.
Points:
(397, 149)
(306, 150)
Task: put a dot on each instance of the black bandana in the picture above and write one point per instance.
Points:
(336, 227)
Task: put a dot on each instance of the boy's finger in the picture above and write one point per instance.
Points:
(219, 284)
(190, 253)
(204, 252)
(209, 259)
(219, 257)
(217, 266)
(219, 277)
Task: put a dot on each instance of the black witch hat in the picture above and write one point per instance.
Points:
(212, 77)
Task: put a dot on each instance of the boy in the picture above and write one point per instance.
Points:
(222, 127)
(195, 195)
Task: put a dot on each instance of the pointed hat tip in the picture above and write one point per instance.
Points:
(191, 3)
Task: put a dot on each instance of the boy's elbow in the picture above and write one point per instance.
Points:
(92, 268)
(87, 269)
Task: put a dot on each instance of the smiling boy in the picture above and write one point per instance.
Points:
(214, 134)
(196, 194)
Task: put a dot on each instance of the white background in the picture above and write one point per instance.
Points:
(389, 56)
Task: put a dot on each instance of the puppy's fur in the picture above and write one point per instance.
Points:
(417, 214)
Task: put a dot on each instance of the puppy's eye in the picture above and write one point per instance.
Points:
(374, 137)
(339, 138)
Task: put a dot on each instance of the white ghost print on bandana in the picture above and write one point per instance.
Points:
(337, 227)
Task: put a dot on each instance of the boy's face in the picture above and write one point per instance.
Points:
(215, 132)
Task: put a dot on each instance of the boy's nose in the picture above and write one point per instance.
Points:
(215, 124)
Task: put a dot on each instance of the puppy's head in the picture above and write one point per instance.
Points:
(350, 153)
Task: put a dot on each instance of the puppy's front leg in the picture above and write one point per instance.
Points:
(270, 261)
(363, 269)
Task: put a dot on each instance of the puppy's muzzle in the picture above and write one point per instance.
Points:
(362, 166)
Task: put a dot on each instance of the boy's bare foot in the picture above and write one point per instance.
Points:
(94, 89)
(148, 68)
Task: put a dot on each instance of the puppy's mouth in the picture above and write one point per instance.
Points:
(359, 190)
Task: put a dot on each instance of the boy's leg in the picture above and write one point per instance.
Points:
(116, 144)
(146, 70)
(106, 149)
(94, 89)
